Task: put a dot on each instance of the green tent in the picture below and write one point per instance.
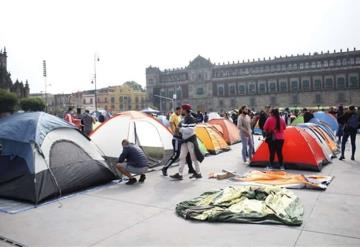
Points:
(202, 147)
(298, 120)
(245, 204)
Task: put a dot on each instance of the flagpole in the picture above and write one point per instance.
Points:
(96, 58)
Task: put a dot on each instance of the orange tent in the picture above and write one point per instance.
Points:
(300, 150)
(229, 131)
(211, 138)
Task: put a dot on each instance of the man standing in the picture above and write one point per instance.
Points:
(136, 162)
(87, 122)
(351, 124)
(175, 120)
(262, 118)
(189, 145)
(68, 116)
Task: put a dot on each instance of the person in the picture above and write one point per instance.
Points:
(199, 117)
(206, 117)
(274, 128)
(175, 120)
(307, 115)
(189, 145)
(244, 125)
(101, 118)
(87, 122)
(132, 160)
(262, 118)
(340, 130)
(351, 124)
(69, 116)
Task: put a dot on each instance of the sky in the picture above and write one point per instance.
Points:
(130, 35)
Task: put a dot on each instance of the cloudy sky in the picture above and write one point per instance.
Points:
(130, 35)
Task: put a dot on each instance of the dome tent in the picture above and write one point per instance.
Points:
(229, 131)
(43, 156)
(300, 151)
(139, 128)
(211, 138)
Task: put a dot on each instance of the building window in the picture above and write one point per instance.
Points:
(233, 103)
(272, 87)
(307, 65)
(112, 100)
(331, 63)
(318, 99)
(252, 89)
(200, 91)
(317, 84)
(220, 91)
(232, 90)
(326, 63)
(344, 61)
(112, 107)
(262, 88)
(301, 66)
(357, 61)
(338, 62)
(294, 86)
(221, 103)
(106, 100)
(241, 89)
(351, 60)
(84, 101)
(91, 101)
(353, 82)
(306, 85)
(252, 102)
(340, 83)
(313, 65)
(318, 64)
(283, 86)
(136, 99)
(329, 83)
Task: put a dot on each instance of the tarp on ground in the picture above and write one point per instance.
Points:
(245, 204)
(229, 131)
(211, 138)
(284, 179)
(139, 128)
(300, 151)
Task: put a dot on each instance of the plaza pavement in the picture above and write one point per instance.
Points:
(144, 214)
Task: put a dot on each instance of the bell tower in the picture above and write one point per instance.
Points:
(3, 59)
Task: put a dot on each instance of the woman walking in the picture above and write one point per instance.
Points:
(244, 124)
(274, 128)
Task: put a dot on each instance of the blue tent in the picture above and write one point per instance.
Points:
(42, 156)
(328, 119)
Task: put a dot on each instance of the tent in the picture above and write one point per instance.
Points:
(211, 138)
(150, 110)
(329, 141)
(139, 128)
(300, 150)
(312, 129)
(325, 127)
(202, 147)
(43, 156)
(298, 120)
(328, 119)
(229, 131)
(213, 115)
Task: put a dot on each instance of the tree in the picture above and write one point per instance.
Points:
(134, 85)
(32, 104)
(8, 101)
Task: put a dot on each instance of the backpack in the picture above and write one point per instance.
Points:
(353, 121)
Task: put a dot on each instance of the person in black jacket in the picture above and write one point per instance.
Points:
(351, 124)
(189, 145)
(264, 114)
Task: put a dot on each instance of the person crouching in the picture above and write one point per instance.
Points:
(136, 162)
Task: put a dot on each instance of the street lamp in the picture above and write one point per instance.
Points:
(96, 59)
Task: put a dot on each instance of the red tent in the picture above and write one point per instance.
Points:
(229, 131)
(300, 151)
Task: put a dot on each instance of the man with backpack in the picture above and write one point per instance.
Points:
(351, 124)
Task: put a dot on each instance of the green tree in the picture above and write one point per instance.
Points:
(8, 101)
(32, 104)
(134, 85)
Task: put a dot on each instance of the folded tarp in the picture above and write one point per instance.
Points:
(284, 179)
(245, 204)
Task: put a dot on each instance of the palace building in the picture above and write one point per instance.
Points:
(318, 79)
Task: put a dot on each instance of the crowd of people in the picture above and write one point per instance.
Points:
(182, 123)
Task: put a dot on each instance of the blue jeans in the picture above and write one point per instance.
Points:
(247, 146)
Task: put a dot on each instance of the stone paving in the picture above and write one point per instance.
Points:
(144, 214)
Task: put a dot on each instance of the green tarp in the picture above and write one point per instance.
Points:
(245, 204)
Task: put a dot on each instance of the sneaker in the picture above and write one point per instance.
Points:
(192, 172)
(164, 171)
(177, 176)
(268, 168)
(131, 181)
(282, 168)
(246, 163)
(352, 158)
(142, 178)
(341, 158)
(196, 175)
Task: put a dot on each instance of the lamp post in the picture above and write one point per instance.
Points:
(96, 59)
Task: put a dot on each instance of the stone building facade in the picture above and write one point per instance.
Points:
(318, 79)
(19, 88)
